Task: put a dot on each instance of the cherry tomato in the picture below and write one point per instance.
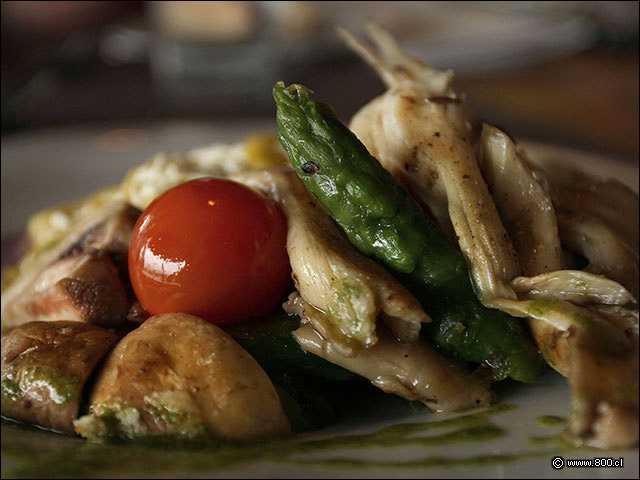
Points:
(212, 248)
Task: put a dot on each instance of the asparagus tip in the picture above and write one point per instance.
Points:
(293, 91)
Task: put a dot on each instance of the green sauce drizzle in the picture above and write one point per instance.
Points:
(62, 387)
(72, 458)
(10, 391)
(550, 421)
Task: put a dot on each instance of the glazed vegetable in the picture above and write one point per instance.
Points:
(45, 366)
(178, 375)
(384, 222)
(212, 248)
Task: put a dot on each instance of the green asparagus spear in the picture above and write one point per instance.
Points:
(385, 223)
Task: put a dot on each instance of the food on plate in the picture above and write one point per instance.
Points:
(212, 248)
(593, 220)
(45, 366)
(322, 261)
(343, 292)
(429, 256)
(81, 277)
(382, 220)
(421, 125)
(145, 182)
(177, 374)
(411, 370)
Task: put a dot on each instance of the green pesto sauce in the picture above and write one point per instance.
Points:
(550, 421)
(172, 416)
(541, 307)
(62, 387)
(348, 291)
(425, 462)
(119, 420)
(67, 457)
(10, 391)
(582, 319)
(344, 294)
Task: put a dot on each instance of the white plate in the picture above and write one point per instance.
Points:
(44, 168)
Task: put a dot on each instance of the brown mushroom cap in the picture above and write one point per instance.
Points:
(44, 368)
(179, 375)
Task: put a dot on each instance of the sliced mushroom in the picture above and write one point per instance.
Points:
(577, 318)
(511, 216)
(44, 368)
(411, 370)
(179, 375)
(428, 145)
(596, 218)
(83, 278)
(524, 207)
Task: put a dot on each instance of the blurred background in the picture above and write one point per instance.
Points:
(107, 84)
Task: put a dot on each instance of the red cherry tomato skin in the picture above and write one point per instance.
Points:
(212, 248)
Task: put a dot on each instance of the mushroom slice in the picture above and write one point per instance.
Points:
(44, 368)
(83, 278)
(596, 218)
(179, 375)
(577, 318)
(608, 253)
(576, 286)
(524, 206)
(82, 288)
(411, 370)
(420, 131)
(510, 217)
